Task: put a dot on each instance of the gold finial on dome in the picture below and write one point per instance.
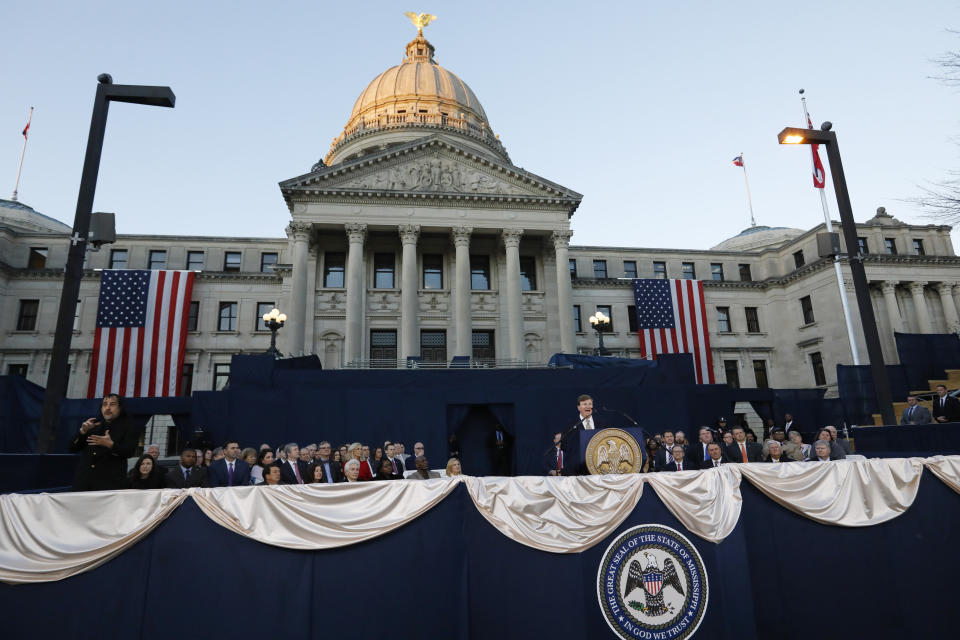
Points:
(420, 20)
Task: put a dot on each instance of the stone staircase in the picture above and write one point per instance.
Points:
(952, 381)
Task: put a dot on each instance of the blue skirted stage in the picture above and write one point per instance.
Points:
(863, 551)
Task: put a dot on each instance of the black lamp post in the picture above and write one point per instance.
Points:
(107, 92)
(600, 324)
(274, 321)
(828, 138)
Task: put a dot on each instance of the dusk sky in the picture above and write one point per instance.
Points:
(639, 106)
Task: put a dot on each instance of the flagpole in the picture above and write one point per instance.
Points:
(753, 221)
(851, 336)
(23, 150)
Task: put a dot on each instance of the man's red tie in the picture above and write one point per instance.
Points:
(743, 450)
(296, 471)
(560, 460)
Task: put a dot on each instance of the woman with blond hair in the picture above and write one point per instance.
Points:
(453, 467)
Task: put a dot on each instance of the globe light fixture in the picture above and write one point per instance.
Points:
(601, 323)
(274, 321)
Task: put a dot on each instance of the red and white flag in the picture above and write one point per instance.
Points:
(141, 332)
(819, 177)
(672, 318)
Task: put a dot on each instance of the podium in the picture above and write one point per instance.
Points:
(578, 441)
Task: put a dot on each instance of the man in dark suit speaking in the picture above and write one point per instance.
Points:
(229, 471)
(741, 450)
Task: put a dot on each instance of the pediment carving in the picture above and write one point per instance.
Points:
(432, 175)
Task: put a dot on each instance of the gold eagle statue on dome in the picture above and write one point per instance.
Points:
(420, 20)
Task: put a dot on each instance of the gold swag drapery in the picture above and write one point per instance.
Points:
(47, 537)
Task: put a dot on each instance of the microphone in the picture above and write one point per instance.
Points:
(622, 414)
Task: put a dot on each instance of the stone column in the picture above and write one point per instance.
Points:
(889, 288)
(923, 314)
(461, 291)
(355, 281)
(945, 289)
(296, 327)
(561, 240)
(409, 344)
(514, 297)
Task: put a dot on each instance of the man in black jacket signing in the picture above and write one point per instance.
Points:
(104, 443)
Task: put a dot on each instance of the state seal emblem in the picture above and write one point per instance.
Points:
(652, 584)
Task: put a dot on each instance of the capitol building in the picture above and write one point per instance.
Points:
(417, 240)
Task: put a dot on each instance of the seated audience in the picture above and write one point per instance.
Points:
(367, 466)
(742, 450)
(294, 470)
(836, 452)
(697, 452)
(153, 450)
(677, 463)
(665, 453)
(229, 470)
(355, 452)
(264, 458)
(351, 471)
(249, 455)
(207, 457)
(332, 472)
(802, 451)
(821, 450)
(836, 439)
(775, 453)
(649, 462)
(271, 474)
(915, 413)
(217, 454)
(386, 471)
(453, 467)
(681, 439)
(716, 456)
(186, 474)
(727, 438)
(410, 462)
(145, 474)
(423, 470)
(314, 475)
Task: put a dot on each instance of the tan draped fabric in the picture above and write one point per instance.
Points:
(707, 502)
(844, 492)
(46, 537)
(321, 516)
(557, 514)
(947, 468)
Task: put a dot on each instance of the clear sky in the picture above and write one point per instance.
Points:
(640, 106)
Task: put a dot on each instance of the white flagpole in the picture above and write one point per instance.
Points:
(23, 150)
(836, 260)
(743, 165)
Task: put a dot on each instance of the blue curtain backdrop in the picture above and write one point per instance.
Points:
(925, 356)
(449, 574)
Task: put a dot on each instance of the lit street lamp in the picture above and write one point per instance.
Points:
(600, 324)
(274, 321)
(828, 138)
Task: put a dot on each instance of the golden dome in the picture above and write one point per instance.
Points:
(416, 94)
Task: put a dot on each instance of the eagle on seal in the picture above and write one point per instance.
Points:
(653, 581)
(609, 454)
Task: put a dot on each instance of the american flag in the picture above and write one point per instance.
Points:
(672, 318)
(141, 332)
(738, 161)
